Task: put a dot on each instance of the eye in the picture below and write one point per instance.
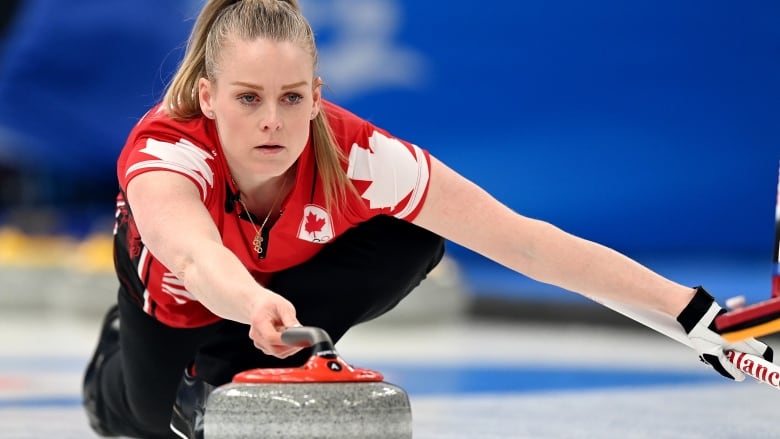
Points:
(248, 99)
(293, 98)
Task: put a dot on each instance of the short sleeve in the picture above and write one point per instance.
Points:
(181, 156)
(391, 175)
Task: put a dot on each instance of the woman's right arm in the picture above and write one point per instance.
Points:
(177, 229)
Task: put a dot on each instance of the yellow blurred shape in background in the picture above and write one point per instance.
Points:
(92, 254)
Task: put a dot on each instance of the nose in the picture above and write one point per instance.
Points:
(270, 120)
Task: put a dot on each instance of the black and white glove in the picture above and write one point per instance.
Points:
(698, 319)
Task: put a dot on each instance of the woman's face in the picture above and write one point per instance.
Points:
(263, 98)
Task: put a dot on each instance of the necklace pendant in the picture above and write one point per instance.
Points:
(257, 243)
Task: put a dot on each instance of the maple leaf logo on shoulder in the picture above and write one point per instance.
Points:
(183, 157)
(316, 225)
(395, 172)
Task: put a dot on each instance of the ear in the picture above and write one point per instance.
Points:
(317, 97)
(205, 96)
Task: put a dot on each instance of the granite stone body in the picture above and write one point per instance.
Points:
(339, 410)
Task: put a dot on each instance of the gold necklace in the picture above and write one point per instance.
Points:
(257, 242)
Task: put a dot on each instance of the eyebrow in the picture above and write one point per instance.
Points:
(260, 87)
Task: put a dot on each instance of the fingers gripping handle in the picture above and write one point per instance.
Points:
(753, 365)
(306, 336)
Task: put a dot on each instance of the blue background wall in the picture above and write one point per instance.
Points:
(650, 126)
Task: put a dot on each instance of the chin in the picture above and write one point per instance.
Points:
(272, 169)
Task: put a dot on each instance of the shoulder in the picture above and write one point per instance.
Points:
(350, 130)
(389, 173)
(160, 142)
(339, 115)
(158, 124)
(346, 126)
(157, 131)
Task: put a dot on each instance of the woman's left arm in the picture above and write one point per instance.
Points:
(464, 213)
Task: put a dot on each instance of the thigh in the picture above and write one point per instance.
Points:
(361, 275)
(153, 358)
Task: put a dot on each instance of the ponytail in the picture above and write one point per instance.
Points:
(181, 96)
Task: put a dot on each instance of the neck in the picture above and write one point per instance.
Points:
(266, 195)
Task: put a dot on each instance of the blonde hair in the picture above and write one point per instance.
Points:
(275, 20)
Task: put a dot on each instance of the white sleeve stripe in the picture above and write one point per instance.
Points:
(142, 275)
(177, 292)
(142, 262)
(171, 279)
(423, 174)
(147, 302)
(159, 164)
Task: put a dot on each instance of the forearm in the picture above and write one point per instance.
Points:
(215, 276)
(576, 264)
(464, 213)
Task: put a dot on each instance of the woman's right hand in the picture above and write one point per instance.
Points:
(271, 315)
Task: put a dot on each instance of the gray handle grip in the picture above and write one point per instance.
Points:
(305, 336)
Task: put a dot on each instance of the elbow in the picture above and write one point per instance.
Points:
(182, 267)
(538, 250)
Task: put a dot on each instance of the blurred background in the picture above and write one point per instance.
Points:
(650, 126)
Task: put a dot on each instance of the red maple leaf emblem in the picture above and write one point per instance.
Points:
(314, 223)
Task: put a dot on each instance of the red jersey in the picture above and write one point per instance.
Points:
(391, 176)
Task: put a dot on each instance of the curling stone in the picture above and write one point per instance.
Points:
(325, 399)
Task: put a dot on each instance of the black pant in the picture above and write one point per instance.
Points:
(360, 276)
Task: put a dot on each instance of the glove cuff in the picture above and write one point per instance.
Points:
(695, 310)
